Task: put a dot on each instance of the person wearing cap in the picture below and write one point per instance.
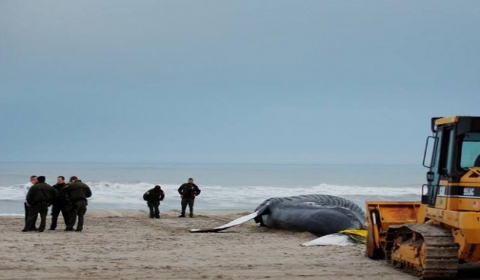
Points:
(77, 193)
(188, 192)
(153, 198)
(39, 197)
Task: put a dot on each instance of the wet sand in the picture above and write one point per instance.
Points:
(128, 245)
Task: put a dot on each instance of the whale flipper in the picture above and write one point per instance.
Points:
(233, 223)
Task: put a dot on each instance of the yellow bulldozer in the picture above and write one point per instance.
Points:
(431, 237)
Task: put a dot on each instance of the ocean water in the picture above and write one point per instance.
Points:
(224, 186)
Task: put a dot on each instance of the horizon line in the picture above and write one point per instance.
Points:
(218, 163)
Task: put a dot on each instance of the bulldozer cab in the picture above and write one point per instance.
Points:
(455, 151)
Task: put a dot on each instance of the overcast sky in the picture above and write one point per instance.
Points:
(233, 81)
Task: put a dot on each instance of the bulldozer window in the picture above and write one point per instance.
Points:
(470, 155)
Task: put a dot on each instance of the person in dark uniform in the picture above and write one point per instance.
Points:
(153, 198)
(61, 204)
(39, 197)
(188, 192)
(77, 193)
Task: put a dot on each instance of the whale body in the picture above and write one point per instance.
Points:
(318, 214)
(315, 213)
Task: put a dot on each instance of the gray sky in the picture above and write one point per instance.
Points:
(233, 81)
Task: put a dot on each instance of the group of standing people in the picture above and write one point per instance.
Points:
(69, 199)
(187, 191)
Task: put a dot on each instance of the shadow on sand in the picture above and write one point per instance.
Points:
(469, 271)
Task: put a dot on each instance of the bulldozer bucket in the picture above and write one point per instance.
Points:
(381, 215)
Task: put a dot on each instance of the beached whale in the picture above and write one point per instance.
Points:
(315, 213)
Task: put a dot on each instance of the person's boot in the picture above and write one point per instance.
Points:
(182, 215)
(191, 215)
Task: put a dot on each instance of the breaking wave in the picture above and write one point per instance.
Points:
(129, 195)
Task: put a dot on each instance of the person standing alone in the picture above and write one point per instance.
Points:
(153, 198)
(77, 193)
(188, 192)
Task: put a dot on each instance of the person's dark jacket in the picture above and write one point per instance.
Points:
(62, 198)
(154, 196)
(189, 190)
(77, 191)
(41, 192)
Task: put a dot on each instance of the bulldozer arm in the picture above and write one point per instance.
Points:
(381, 215)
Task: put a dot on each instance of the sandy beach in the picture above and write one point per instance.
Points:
(128, 245)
